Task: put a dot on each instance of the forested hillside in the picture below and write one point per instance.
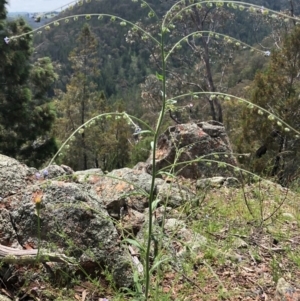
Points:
(125, 65)
(120, 70)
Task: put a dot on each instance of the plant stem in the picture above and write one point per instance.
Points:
(151, 197)
(39, 230)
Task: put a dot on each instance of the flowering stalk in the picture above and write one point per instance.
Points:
(251, 105)
(100, 16)
(235, 4)
(80, 129)
(37, 200)
(267, 53)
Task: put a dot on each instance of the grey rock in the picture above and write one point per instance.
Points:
(141, 166)
(8, 234)
(132, 221)
(186, 240)
(89, 176)
(124, 188)
(14, 176)
(286, 292)
(67, 169)
(172, 225)
(216, 182)
(71, 220)
(203, 141)
(54, 171)
(163, 212)
(172, 195)
(210, 182)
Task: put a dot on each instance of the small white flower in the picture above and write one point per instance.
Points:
(267, 53)
(6, 40)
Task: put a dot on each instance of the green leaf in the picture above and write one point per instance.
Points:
(134, 243)
(137, 282)
(146, 132)
(155, 203)
(158, 263)
(159, 76)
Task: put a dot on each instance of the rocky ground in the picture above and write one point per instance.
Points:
(217, 233)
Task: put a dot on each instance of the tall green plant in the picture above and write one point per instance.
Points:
(162, 76)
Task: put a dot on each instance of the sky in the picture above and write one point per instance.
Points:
(36, 5)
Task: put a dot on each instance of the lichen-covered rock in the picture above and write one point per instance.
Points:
(8, 235)
(89, 176)
(172, 195)
(202, 142)
(72, 220)
(85, 214)
(14, 176)
(55, 171)
(216, 182)
(286, 292)
(177, 229)
(75, 211)
(132, 221)
(210, 182)
(122, 189)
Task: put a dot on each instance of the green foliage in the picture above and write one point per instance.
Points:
(42, 76)
(124, 60)
(140, 151)
(277, 90)
(25, 116)
(104, 142)
(116, 57)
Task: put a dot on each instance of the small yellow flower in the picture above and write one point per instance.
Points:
(37, 197)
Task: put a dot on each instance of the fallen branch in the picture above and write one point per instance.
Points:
(11, 255)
